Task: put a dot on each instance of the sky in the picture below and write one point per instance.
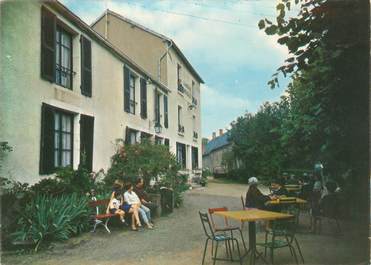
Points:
(222, 41)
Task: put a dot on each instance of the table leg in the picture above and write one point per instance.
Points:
(252, 244)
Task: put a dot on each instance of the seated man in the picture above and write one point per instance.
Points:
(132, 198)
(329, 203)
(278, 188)
(143, 196)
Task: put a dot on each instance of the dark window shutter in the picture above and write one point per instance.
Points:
(143, 98)
(48, 24)
(166, 112)
(86, 78)
(86, 141)
(47, 140)
(126, 89)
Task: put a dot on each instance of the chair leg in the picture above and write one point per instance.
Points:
(243, 241)
(265, 242)
(271, 251)
(238, 250)
(299, 249)
(230, 249)
(205, 248)
(212, 248)
(294, 251)
(227, 248)
(232, 236)
(216, 252)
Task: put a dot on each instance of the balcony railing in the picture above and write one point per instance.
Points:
(195, 135)
(180, 128)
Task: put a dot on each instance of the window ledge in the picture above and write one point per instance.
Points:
(181, 134)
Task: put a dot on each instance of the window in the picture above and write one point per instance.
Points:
(63, 61)
(167, 142)
(179, 74)
(181, 154)
(180, 126)
(158, 140)
(62, 139)
(194, 157)
(56, 139)
(56, 50)
(157, 108)
(129, 91)
(132, 93)
(194, 100)
(131, 136)
(86, 141)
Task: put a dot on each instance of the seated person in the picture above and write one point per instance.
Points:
(254, 197)
(292, 180)
(278, 188)
(116, 200)
(143, 196)
(132, 198)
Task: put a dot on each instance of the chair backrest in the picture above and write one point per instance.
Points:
(205, 221)
(211, 213)
(243, 203)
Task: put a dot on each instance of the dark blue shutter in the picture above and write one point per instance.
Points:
(86, 73)
(48, 24)
(86, 141)
(47, 140)
(126, 89)
(166, 114)
(143, 98)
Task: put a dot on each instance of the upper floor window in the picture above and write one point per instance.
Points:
(132, 93)
(179, 74)
(63, 58)
(129, 91)
(180, 125)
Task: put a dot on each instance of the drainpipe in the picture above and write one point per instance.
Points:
(162, 57)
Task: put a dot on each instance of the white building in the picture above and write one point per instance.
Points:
(67, 93)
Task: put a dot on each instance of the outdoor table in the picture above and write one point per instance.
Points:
(288, 200)
(252, 216)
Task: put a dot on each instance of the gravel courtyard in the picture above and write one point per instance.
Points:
(178, 239)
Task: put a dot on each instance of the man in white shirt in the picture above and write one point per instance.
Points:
(132, 198)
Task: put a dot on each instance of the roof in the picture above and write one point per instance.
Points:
(217, 143)
(74, 19)
(161, 36)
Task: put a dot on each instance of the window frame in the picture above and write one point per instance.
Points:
(61, 29)
(60, 150)
(132, 102)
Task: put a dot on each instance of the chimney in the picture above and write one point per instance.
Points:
(220, 132)
(214, 135)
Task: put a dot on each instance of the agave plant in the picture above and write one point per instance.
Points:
(52, 218)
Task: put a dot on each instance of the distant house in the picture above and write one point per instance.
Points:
(214, 151)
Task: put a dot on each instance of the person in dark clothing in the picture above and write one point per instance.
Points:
(143, 196)
(254, 197)
(278, 188)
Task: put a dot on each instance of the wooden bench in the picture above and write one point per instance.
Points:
(101, 218)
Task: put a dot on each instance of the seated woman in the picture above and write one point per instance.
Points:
(254, 197)
(116, 200)
(117, 205)
(133, 200)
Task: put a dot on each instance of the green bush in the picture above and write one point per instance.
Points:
(48, 218)
(75, 181)
(144, 159)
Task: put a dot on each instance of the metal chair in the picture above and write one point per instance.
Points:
(214, 237)
(226, 228)
(283, 235)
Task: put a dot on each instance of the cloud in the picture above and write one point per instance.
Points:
(213, 99)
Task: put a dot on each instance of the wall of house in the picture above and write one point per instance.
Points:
(23, 92)
(185, 101)
(146, 49)
(143, 48)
